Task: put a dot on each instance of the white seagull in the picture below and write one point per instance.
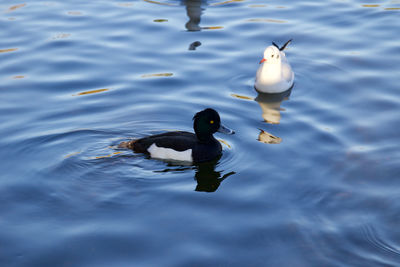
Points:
(275, 74)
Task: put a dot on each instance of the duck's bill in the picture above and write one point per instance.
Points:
(225, 130)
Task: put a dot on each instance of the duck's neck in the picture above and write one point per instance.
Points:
(205, 138)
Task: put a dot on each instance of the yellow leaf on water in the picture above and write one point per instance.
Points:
(16, 7)
(226, 2)
(92, 91)
(242, 97)
(72, 154)
(212, 28)
(19, 77)
(370, 5)
(158, 3)
(268, 20)
(168, 74)
(392, 8)
(108, 156)
(225, 143)
(8, 50)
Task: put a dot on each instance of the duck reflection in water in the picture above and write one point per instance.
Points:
(207, 178)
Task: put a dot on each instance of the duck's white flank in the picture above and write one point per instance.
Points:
(169, 153)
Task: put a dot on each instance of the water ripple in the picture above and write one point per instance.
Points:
(378, 242)
(301, 172)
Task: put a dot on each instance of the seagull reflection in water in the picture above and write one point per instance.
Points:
(271, 112)
(271, 105)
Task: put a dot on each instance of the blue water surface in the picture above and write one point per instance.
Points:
(311, 177)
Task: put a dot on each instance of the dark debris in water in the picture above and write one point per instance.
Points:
(194, 45)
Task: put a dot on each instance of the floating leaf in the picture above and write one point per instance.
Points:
(268, 20)
(160, 20)
(16, 7)
(226, 2)
(8, 50)
(93, 91)
(392, 8)
(370, 5)
(242, 97)
(212, 28)
(108, 156)
(224, 142)
(72, 154)
(158, 3)
(167, 74)
(19, 77)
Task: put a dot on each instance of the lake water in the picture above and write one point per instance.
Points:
(311, 177)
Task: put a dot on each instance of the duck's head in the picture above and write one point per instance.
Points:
(271, 55)
(207, 122)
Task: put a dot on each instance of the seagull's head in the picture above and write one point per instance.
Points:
(271, 55)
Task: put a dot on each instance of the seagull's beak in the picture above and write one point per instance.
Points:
(263, 60)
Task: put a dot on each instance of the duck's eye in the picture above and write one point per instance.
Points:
(272, 56)
(211, 122)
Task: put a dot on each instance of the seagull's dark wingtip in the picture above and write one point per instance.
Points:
(284, 46)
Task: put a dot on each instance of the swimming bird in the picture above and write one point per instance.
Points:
(275, 74)
(195, 147)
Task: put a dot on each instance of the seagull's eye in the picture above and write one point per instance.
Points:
(272, 56)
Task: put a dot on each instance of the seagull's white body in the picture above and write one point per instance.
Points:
(275, 74)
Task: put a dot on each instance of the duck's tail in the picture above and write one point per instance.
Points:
(282, 47)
